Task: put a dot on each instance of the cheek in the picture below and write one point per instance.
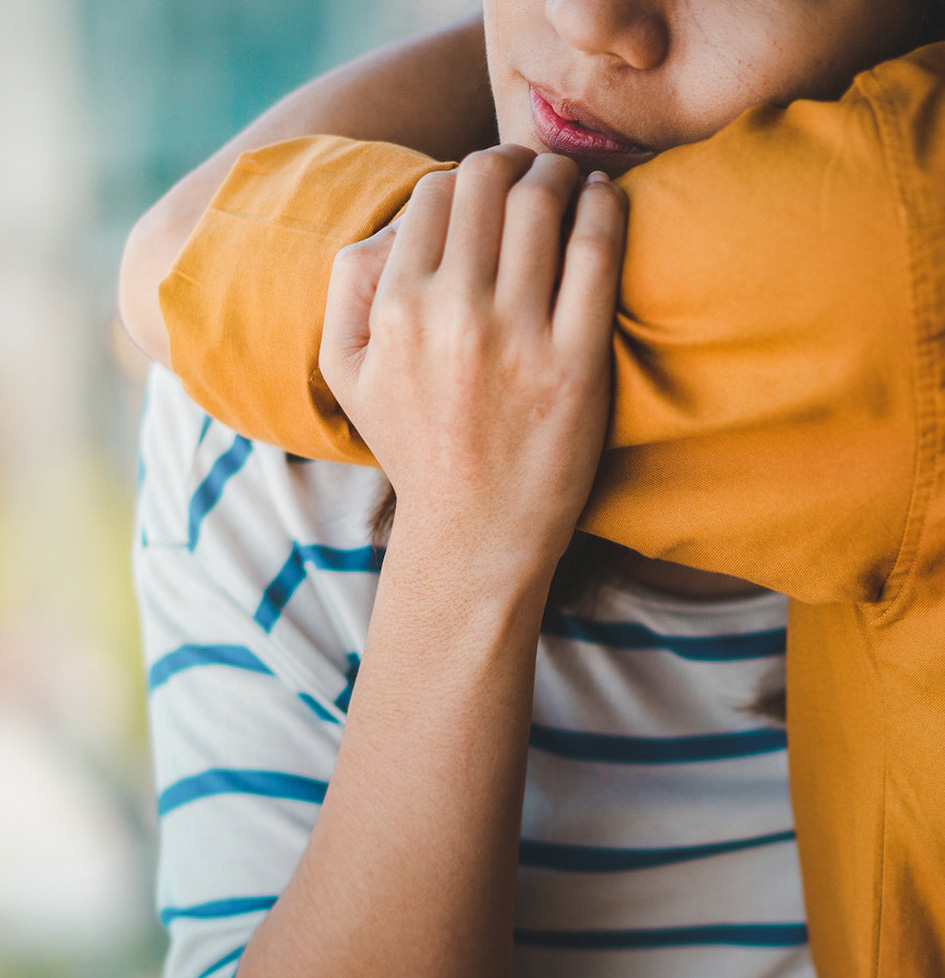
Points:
(514, 28)
(730, 59)
(823, 41)
(723, 64)
(496, 15)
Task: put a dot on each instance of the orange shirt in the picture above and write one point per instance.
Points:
(779, 416)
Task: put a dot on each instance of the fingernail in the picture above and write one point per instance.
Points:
(598, 176)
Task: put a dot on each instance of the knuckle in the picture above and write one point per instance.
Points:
(468, 307)
(393, 308)
(536, 197)
(470, 344)
(486, 165)
(436, 182)
(466, 361)
(346, 258)
(563, 165)
(593, 248)
(352, 260)
(462, 312)
(388, 310)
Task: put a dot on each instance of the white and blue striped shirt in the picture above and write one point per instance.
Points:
(657, 836)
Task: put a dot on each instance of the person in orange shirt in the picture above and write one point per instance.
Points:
(777, 404)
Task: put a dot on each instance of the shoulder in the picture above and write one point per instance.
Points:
(198, 476)
(229, 523)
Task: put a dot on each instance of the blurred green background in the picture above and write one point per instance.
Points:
(103, 104)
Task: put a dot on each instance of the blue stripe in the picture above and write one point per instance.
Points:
(189, 656)
(228, 781)
(218, 909)
(228, 959)
(204, 428)
(366, 560)
(279, 592)
(737, 935)
(208, 493)
(595, 859)
(343, 699)
(633, 636)
(317, 708)
(607, 748)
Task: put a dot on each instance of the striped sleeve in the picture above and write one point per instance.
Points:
(242, 747)
(241, 765)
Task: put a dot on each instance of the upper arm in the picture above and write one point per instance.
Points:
(764, 419)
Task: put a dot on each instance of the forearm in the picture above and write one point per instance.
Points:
(410, 870)
(429, 93)
(488, 416)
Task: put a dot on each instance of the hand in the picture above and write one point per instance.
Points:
(475, 367)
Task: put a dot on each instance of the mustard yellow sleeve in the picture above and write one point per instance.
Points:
(781, 302)
(764, 422)
(764, 418)
(245, 300)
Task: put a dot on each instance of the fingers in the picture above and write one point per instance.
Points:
(531, 243)
(490, 231)
(459, 212)
(475, 230)
(421, 231)
(584, 311)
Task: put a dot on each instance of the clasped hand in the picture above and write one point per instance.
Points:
(471, 348)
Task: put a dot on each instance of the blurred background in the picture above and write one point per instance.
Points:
(105, 104)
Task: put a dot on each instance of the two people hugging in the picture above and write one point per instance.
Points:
(465, 603)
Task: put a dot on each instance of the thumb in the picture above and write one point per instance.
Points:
(346, 331)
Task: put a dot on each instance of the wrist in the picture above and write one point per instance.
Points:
(470, 561)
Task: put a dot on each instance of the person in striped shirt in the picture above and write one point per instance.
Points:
(577, 787)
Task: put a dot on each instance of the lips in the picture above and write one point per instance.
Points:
(567, 127)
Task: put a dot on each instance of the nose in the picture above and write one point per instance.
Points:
(624, 29)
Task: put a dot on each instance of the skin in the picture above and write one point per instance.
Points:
(384, 95)
(670, 72)
(667, 72)
(659, 73)
(483, 392)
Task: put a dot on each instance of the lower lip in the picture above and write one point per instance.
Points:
(570, 138)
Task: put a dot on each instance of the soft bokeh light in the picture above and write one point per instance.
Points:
(105, 103)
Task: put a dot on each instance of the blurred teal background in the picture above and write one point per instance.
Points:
(103, 105)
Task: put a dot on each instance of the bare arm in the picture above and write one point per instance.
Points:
(430, 93)
(490, 427)
(410, 870)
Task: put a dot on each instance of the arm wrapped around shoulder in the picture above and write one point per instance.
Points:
(244, 302)
(764, 421)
